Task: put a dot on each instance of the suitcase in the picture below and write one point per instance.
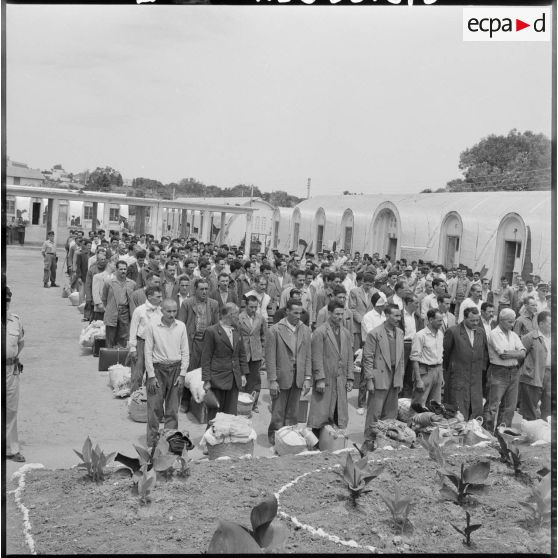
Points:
(108, 357)
(199, 410)
(98, 344)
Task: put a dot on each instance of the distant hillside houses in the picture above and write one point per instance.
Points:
(58, 174)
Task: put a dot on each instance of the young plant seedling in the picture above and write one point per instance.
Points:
(232, 538)
(540, 501)
(503, 448)
(516, 461)
(433, 446)
(146, 483)
(358, 475)
(466, 532)
(93, 460)
(399, 506)
(472, 476)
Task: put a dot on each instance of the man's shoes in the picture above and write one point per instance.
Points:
(360, 411)
(45, 285)
(54, 285)
(368, 446)
(16, 457)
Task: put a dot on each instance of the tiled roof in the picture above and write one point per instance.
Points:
(20, 171)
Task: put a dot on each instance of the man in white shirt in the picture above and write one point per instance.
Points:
(375, 316)
(427, 357)
(474, 300)
(430, 301)
(167, 357)
(142, 315)
(505, 350)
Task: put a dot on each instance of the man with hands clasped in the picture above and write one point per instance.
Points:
(383, 366)
(289, 367)
(223, 361)
(166, 360)
(332, 369)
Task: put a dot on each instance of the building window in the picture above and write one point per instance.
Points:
(17, 180)
(88, 212)
(10, 207)
(114, 213)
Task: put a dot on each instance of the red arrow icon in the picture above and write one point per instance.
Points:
(519, 25)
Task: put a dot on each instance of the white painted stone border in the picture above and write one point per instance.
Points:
(21, 472)
(319, 531)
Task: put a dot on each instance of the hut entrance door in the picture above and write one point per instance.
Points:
(392, 248)
(348, 239)
(511, 251)
(452, 247)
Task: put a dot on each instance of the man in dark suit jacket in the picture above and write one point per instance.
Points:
(465, 358)
(223, 362)
(224, 293)
(410, 323)
(135, 270)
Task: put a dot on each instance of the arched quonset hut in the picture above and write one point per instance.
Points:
(500, 233)
(281, 231)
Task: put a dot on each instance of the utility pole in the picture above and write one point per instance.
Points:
(308, 189)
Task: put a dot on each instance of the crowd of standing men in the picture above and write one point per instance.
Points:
(440, 337)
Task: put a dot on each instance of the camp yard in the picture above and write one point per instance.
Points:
(64, 399)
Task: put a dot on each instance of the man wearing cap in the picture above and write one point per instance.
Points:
(48, 250)
(12, 332)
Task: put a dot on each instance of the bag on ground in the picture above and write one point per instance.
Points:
(119, 379)
(137, 405)
(193, 382)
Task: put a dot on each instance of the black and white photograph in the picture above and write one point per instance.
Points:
(278, 277)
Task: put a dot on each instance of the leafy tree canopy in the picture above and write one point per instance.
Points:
(518, 161)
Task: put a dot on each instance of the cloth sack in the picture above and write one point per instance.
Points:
(193, 381)
(404, 410)
(474, 432)
(66, 291)
(288, 440)
(137, 405)
(119, 379)
(536, 430)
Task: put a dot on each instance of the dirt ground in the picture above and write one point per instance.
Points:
(64, 398)
(70, 514)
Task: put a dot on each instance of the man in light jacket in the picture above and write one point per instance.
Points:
(383, 366)
(289, 367)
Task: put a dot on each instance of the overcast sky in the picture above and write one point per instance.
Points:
(364, 98)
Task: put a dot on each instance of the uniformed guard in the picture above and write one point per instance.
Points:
(12, 330)
(50, 260)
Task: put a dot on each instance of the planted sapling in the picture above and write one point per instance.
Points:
(470, 477)
(433, 445)
(358, 475)
(399, 506)
(466, 532)
(93, 460)
(232, 538)
(540, 500)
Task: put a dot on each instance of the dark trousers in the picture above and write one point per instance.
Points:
(118, 334)
(407, 390)
(531, 395)
(503, 385)
(284, 409)
(253, 380)
(138, 368)
(97, 315)
(163, 403)
(49, 268)
(228, 402)
(382, 405)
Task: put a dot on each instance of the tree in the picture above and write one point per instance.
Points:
(518, 161)
(280, 198)
(102, 180)
(426, 191)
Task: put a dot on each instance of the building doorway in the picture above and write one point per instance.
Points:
(385, 232)
(348, 246)
(392, 249)
(512, 251)
(452, 249)
(36, 213)
(319, 238)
